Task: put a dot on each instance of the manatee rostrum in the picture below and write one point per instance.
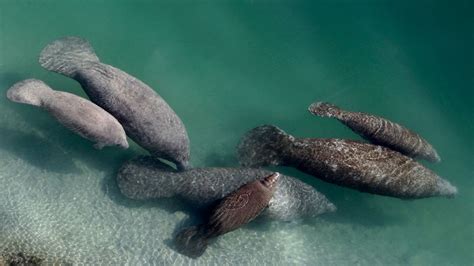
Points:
(145, 178)
(358, 165)
(77, 114)
(145, 116)
(379, 131)
(234, 210)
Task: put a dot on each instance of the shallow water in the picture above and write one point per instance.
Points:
(226, 67)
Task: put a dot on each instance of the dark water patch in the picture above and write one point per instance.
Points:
(20, 259)
(26, 259)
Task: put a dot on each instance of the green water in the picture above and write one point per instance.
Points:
(226, 67)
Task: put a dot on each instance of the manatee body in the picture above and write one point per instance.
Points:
(380, 131)
(362, 166)
(146, 117)
(145, 178)
(75, 113)
(236, 209)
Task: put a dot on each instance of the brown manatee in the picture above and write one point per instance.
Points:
(145, 116)
(358, 165)
(146, 178)
(238, 208)
(77, 114)
(379, 131)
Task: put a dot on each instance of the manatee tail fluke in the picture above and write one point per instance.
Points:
(29, 91)
(446, 189)
(67, 55)
(324, 109)
(138, 178)
(262, 146)
(191, 242)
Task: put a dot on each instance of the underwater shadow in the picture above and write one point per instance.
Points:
(37, 151)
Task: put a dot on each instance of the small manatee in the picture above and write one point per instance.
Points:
(379, 131)
(75, 113)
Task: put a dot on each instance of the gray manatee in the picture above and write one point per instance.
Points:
(379, 131)
(144, 178)
(145, 116)
(358, 165)
(75, 113)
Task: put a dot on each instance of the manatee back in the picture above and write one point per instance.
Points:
(86, 119)
(145, 115)
(368, 168)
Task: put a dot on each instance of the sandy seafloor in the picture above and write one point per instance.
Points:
(226, 67)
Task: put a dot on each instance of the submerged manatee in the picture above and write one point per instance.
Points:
(75, 113)
(233, 211)
(146, 117)
(379, 131)
(362, 166)
(145, 178)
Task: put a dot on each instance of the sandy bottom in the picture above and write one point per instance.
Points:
(61, 207)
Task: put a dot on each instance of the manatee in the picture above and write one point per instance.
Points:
(358, 165)
(233, 211)
(379, 131)
(145, 116)
(145, 178)
(75, 113)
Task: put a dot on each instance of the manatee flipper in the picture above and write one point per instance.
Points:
(323, 109)
(67, 55)
(191, 241)
(262, 146)
(99, 145)
(29, 91)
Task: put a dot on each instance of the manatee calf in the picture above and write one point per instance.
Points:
(233, 211)
(146, 178)
(379, 131)
(146, 117)
(362, 166)
(75, 113)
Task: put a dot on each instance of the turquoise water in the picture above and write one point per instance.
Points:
(226, 67)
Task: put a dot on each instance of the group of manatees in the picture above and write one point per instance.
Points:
(383, 167)
(121, 105)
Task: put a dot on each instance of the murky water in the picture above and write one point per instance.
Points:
(226, 67)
